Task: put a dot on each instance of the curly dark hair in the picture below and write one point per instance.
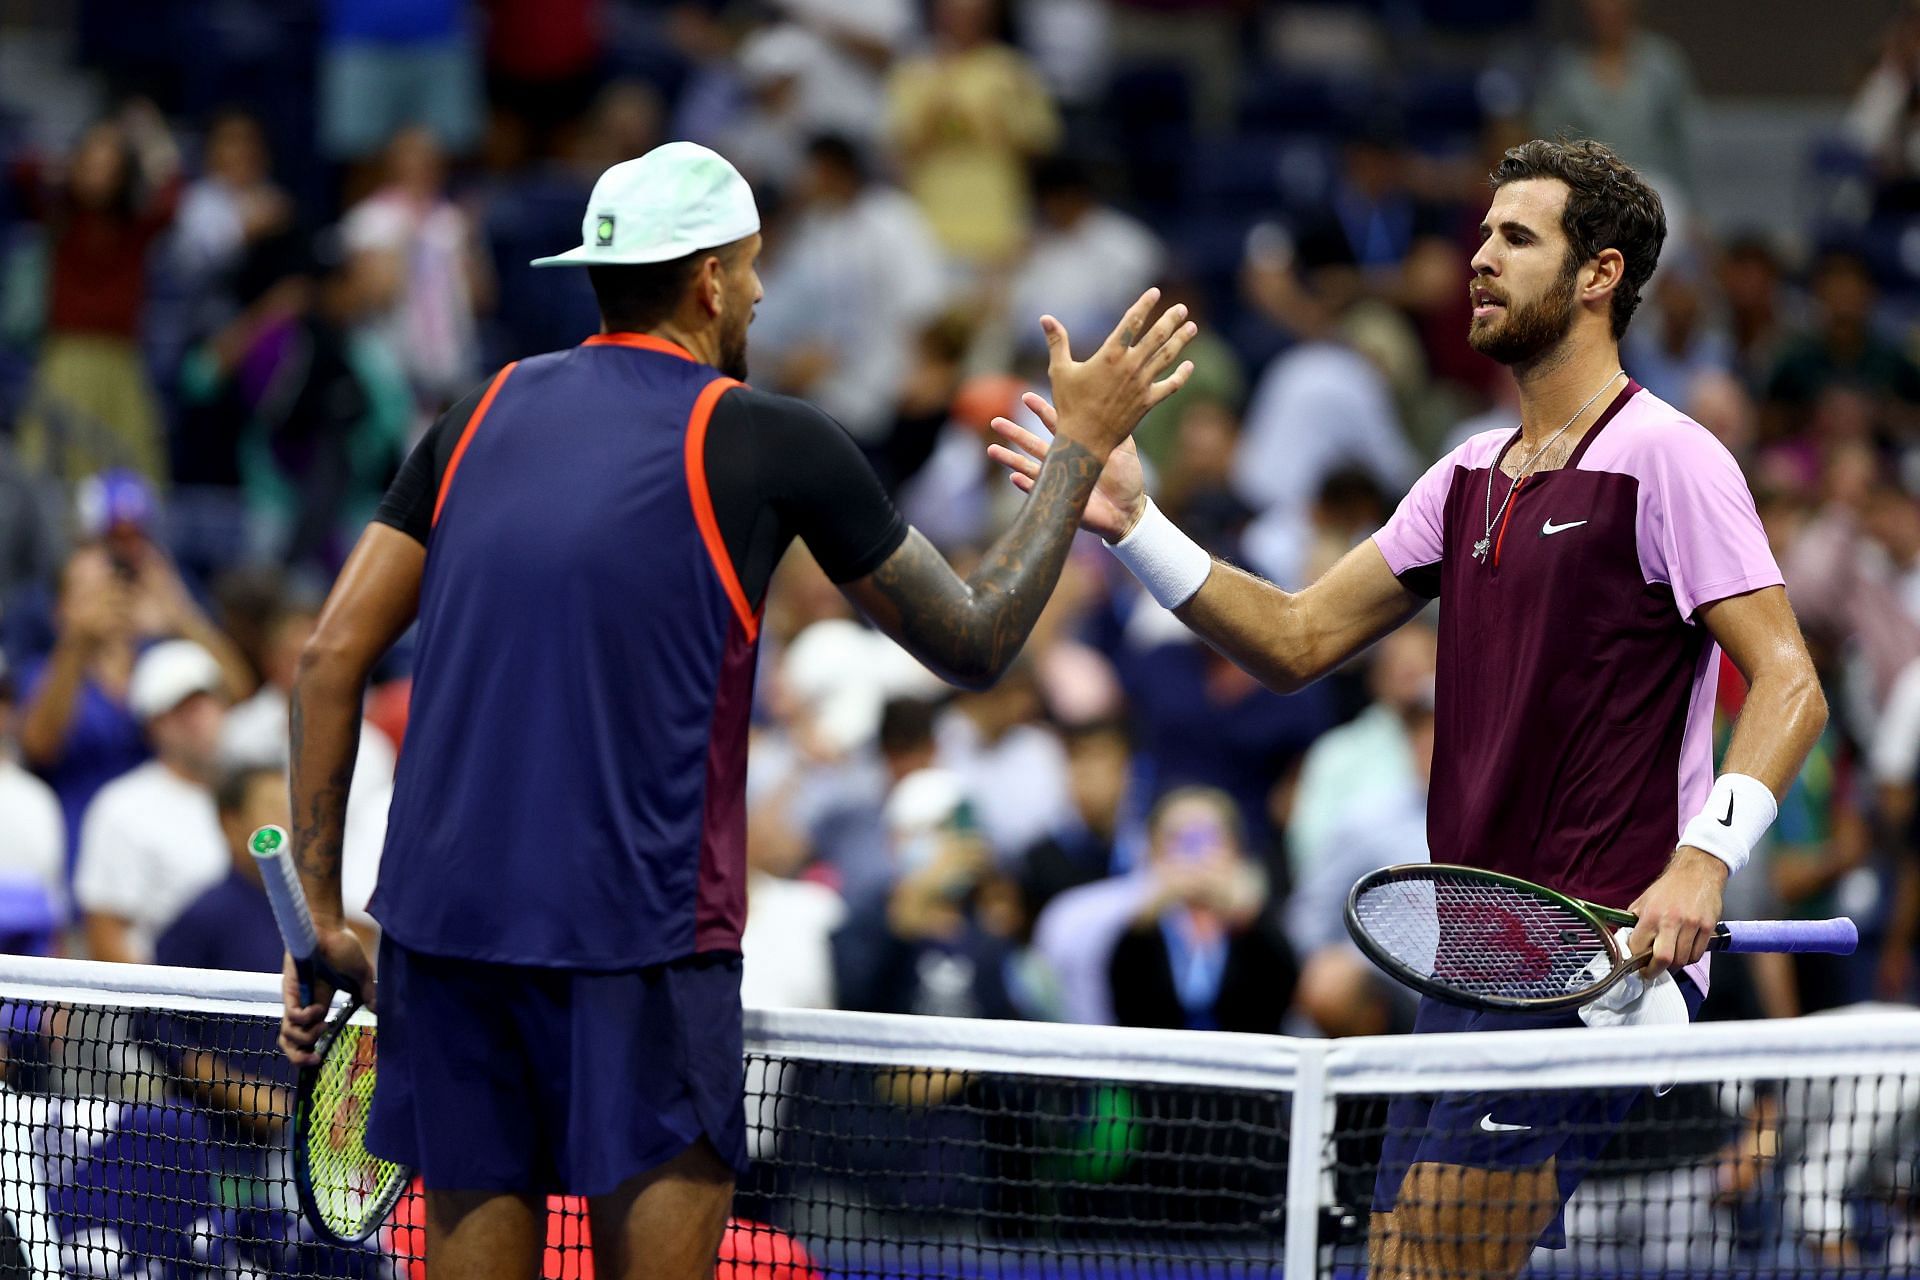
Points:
(1609, 206)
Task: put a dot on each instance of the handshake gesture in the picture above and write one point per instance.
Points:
(1096, 404)
(1098, 401)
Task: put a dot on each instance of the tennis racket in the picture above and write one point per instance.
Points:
(345, 1190)
(1489, 941)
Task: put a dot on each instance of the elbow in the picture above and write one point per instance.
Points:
(327, 665)
(974, 674)
(1815, 700)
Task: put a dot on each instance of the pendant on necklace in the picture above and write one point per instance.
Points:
(1480, 549)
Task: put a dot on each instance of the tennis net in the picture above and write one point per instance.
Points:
(143, 1124)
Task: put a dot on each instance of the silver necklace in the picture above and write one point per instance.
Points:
(1487, 512)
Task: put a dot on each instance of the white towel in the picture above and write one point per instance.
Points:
(1633, 1001)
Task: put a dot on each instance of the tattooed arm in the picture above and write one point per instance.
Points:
(372, 603)
(968, 631)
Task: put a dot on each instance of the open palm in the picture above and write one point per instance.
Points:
(1119, 497)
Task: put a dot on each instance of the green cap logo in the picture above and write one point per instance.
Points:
(603, 230)
(267, 839)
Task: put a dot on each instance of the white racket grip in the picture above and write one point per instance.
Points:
(271, 850)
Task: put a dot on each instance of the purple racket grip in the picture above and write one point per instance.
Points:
(1837, 936)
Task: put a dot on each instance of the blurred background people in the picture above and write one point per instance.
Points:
(151, 841)
(1205, 951)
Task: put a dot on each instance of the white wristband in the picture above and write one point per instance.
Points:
(1738, 812)
(1169, 564)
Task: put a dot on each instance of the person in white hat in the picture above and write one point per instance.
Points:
(150, 842)
(586, 541)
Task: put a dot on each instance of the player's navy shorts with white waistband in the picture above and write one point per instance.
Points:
(496, 1077)
(1505, 1129)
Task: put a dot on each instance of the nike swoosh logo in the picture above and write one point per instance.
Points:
(1728, 820)
(1550, 528)
(1489, 1125)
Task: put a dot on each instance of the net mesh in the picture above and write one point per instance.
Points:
(1482, 937)
(141, 1136)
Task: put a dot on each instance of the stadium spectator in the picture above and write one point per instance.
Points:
(857, 277)
(1074, 938)
(1843, 585)
(33, 851)
(93, 404)
(1087, 261)
(965, 120)
(1010, 765)
(1316, 408)
(330, 409)
(1749, 280)
(545, 62)
(940, 944)
(1843, 348)
(1350, 505)
(1205, 950)
(1341, 992)
(1080, 850)
(255, 736)
(226, 214)
(1374, 216)
(426, 274)
(1199, 720)
(389, 64)
(847, 829)
(1682, 342)
(229, 924)
(787, 948)
(117, 592)
(1629, 87)
(1882, 121)
(151, 842)
(829, 57)
(1354, 769)
(75, 729)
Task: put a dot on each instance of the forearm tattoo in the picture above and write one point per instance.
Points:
(322, 773)
(970, 630)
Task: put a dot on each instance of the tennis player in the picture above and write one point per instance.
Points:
(1591, 563)
(586, 542)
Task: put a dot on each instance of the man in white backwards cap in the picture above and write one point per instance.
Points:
(585, 542)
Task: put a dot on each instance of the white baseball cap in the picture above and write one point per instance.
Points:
(167, 675)
(677, 199)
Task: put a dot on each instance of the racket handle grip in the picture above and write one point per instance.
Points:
(269, 846)
(1837, 936)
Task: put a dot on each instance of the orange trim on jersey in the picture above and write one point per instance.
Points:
(641, 342)
(466, 437)
(703, 503)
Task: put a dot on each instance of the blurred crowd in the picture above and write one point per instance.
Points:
(222, 325)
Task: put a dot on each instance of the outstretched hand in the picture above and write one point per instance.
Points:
(1118, 498)
(1102, 398)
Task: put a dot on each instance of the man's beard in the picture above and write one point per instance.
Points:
(733, 353)
(1533, 330)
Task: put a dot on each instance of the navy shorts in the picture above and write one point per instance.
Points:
(1505, 1130)
(499, 1077)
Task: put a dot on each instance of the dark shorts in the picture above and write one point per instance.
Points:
(1505, 1130)
(554, 1081)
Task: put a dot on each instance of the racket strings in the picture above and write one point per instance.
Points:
(1483, 938)
(352, 1188)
